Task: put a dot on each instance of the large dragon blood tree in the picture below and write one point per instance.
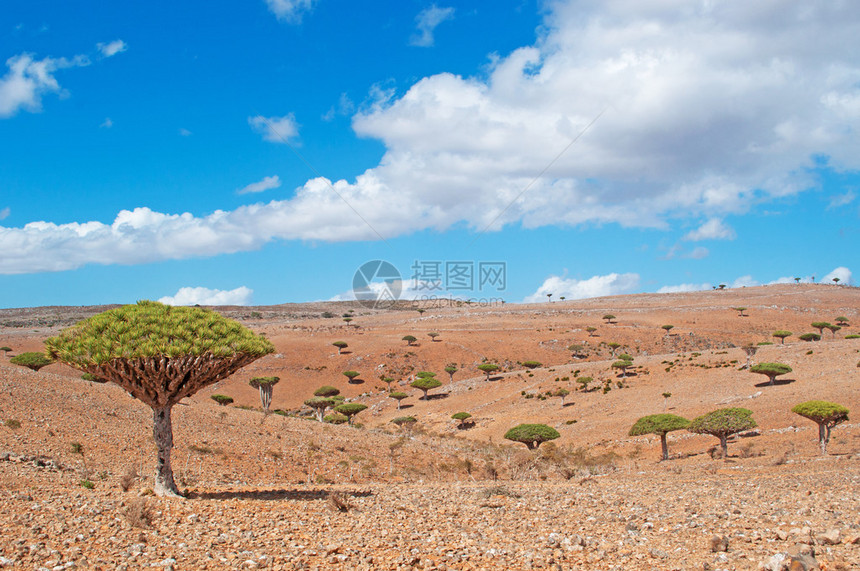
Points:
(160, 354)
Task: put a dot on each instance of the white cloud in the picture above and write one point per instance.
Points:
(713, 229)
(5, 212)
(681, 288)
(840, 200)
(409, 290)
(843, 273)
(275, 129)
(596, 286)
(267, 183)
(290, 10)
(205, 296)
(698, 253)
(184, 132)
(426, 22)
(107, 123)
(29, 79)
(745, 281)
(112, 48)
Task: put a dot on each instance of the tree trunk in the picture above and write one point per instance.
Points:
(162, 433)
(724, 445)
(665, 446)
(823, 437)
(266, 397)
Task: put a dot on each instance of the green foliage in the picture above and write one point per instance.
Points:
(77, 448)
(608, 317)
(320, 402)
(740, 310)
(223, 400)
(584, 382)
(820, 325)
(810, 337)
(12, 423)
(532, 435)
(326, 391)
(93, 378)
(350, 409)
(781, 335)
(488, 368)
(258, 382)
(410, 339)
(398, 396)
(87, 484)
(32, 360)
(843, 321)
(424, 375)
(341, 344)
(723, 422)
(351, 375)
(425, 384)
(5, 349)
(148, 329)
(404, 421)
(668, 328)
(852, 336)
(822, 412)
(450, 369)
(771, 370)
(461, 416)
(433, 335)
(658, 424)
(561, 393)
(531, 364)
(335, 418)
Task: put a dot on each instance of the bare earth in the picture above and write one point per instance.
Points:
(286, 492)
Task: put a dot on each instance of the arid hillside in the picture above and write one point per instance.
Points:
(285, 491)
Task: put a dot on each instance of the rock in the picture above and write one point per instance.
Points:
(781, 535)
(777, 562)
(832, 537)
(803, 563)
(719, 543)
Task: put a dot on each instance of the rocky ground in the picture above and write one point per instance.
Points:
(289, 493)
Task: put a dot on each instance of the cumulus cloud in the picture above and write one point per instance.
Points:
(840, 200)
(745, 281)
(205, 296)
(290, 10)
(112, 48)
(5, 212)
(426, 23)
(708, 110)
(595, 286)
(107, 123)
(843, 273)
(698, 253)
(29, 79)
(409, 290)
(681, 288)
(267, 183)
(275, 129)
(713, 229)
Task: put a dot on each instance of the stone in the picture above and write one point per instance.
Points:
(719, 543)
(832, 537)
(803, 563)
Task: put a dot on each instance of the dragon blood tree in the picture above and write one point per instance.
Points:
(265, 386)
(160, 355)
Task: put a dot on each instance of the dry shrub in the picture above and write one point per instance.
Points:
(139, 513)
(128, 479)
(339, 502)
(499, 491)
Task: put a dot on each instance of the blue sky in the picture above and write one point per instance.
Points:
(259, 152)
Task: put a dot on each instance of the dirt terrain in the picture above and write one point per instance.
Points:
(285, 492)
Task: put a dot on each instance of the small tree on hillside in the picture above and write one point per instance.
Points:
(398, 396)
(336, 418)
(810, 337)
(351, 375)
(5, 350)
(591, 329)
(265, 385)
(842, 321)
(222, 400)
(750, 351)
(425, 384)
(350, 409)
(836, 280)
(821, 326)
(549, 297)
(341, 345)
(584, 382)
(33, 360)
(781, 335)
(722, 423)
(825, 414)
(347, 320)
(327, 391)
(463, 417)
(833, 329)
(531, 364)
(319, 406)
(666, 396)
(433, 335)
(387, 380)
(661, 425)
(488, 368)
(561, 392)
(576, 350)
(771, 370)
(410, 339)
(623, 365)
(667, 328)
(740, 311)
(608, 317)
(613, 346)
(160, 354)
(532, 435)
(405, 422)
(451, 369)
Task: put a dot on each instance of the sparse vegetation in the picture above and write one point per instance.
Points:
(668, 328)
(265, 385)
(351, 375)
(341, 345)
(350, 409)
(661, 425)
(425, 384)
(488, 369)
(810, 337)
(5, 350)
(608, 318)
(451, 369)
(781, 335)
(771, 370)
(723, 423)
(33, 360)
(825, 414)
(398, 396)
(319, 406)
(410, 339)
(561, 392)
(463, 417)
(433, 335)
(740, 311)
(406, 422)
(821, 326)
(532, 435)
(531, 364)
(222, 400)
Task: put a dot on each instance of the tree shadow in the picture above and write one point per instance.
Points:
(437, 396)
(776, 383)
(345, 352)
(406, 406)
(356, 381)
(567, 404)
(270, 495)
(466, 425)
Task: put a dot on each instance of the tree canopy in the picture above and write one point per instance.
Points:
(659, 424)
(33, 360)
(824, 413)
(771, 370)
(532, 435)
(722, 423)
